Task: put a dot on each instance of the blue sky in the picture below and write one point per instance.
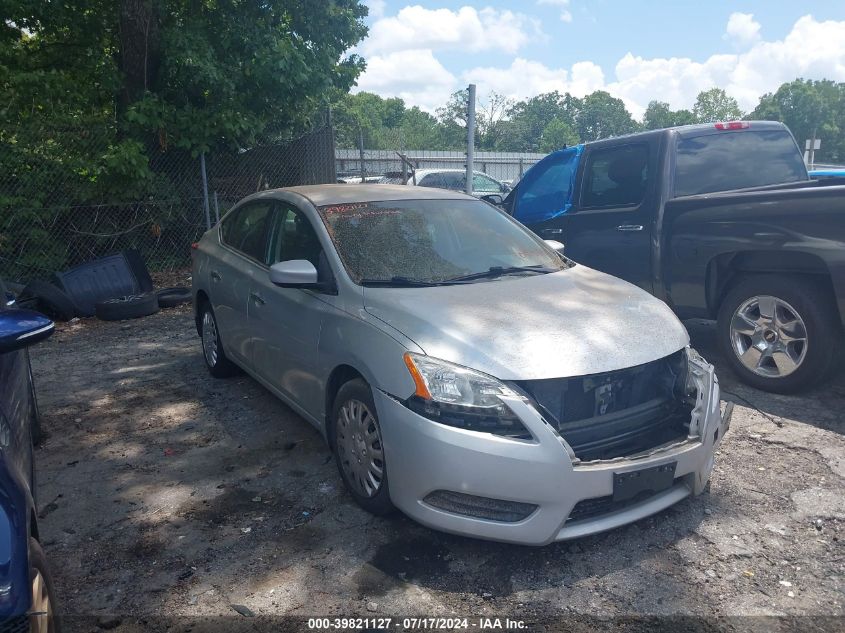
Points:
(636, 49)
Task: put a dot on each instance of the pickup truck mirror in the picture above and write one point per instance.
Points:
(493, 198)
(22, 328)
(294, 273)
(555, 245)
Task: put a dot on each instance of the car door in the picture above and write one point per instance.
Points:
(606, 221)
(243, 239)
(286, 322)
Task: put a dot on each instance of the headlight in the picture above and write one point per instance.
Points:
(461, 397)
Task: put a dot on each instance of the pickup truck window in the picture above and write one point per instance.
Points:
(616, 177)
(722, 161)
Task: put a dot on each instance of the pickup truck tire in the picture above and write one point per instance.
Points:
(779, 334)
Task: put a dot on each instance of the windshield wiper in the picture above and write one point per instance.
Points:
(499, 271)
(398, 282)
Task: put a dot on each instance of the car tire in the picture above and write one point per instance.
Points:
(129, 307)
(50, 299)
(172, 297)
(212, 347)
(43, 591)
(358, 448)
(804, 310)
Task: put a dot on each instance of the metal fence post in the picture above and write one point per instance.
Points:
(470, 136)
(216, 208)
(205, 192)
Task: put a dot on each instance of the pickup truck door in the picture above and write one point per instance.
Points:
(607, 222)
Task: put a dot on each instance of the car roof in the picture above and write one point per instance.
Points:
(321, 195)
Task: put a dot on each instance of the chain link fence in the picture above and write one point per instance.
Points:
(71, 194)
(75, 193)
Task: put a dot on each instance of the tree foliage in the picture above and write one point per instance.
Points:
(159, 75)
(715, 105)
(811, 109)
(659, 115)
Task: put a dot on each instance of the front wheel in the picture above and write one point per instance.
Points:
(358, 447)
(780, 334)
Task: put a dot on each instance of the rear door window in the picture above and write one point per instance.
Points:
(726, 160)
(245, 229)
(616, 177)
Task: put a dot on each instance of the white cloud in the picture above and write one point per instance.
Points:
(402, 62)
(745, 76)
(414, 75)
(526, 78)
(565, 13)
(376, 8)
(742, 30)
(467, 29)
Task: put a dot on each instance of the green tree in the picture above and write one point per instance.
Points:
(527, 120)
(715, 105)
(810, 109)
(602, 116)
(659, 115)
(556, 135)
(173, 73)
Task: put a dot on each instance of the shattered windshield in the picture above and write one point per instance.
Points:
(432, 241)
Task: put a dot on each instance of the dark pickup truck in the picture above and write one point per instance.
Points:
(722, 222)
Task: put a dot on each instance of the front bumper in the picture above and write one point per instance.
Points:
(424, 456)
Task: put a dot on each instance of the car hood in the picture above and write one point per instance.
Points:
(570, 323)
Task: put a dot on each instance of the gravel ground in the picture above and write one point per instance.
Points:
(164, 491)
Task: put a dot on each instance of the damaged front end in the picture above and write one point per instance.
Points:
(629, 412)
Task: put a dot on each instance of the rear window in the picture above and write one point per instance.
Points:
(722, 161)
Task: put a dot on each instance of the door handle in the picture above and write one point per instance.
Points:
(257, 298)
(629, 227)
(552, 231)
(215, 276)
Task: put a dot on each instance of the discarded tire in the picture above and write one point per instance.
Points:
(131, 307)
(172, 297)
(50, 299)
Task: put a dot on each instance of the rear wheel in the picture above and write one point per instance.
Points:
(212, 348)
(780, 334)
(42, 610)
(358, 447)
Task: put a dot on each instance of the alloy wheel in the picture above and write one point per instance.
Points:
(209, 338)
(768, 336)
(359, 447)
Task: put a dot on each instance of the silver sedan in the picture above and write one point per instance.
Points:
(461, 369)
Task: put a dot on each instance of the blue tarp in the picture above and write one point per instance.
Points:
(545, 190)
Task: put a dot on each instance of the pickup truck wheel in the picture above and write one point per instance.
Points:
(780, 334)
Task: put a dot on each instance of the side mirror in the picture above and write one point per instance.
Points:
(555, 245)
(493, 198)
(22, 328)
(294, 273)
